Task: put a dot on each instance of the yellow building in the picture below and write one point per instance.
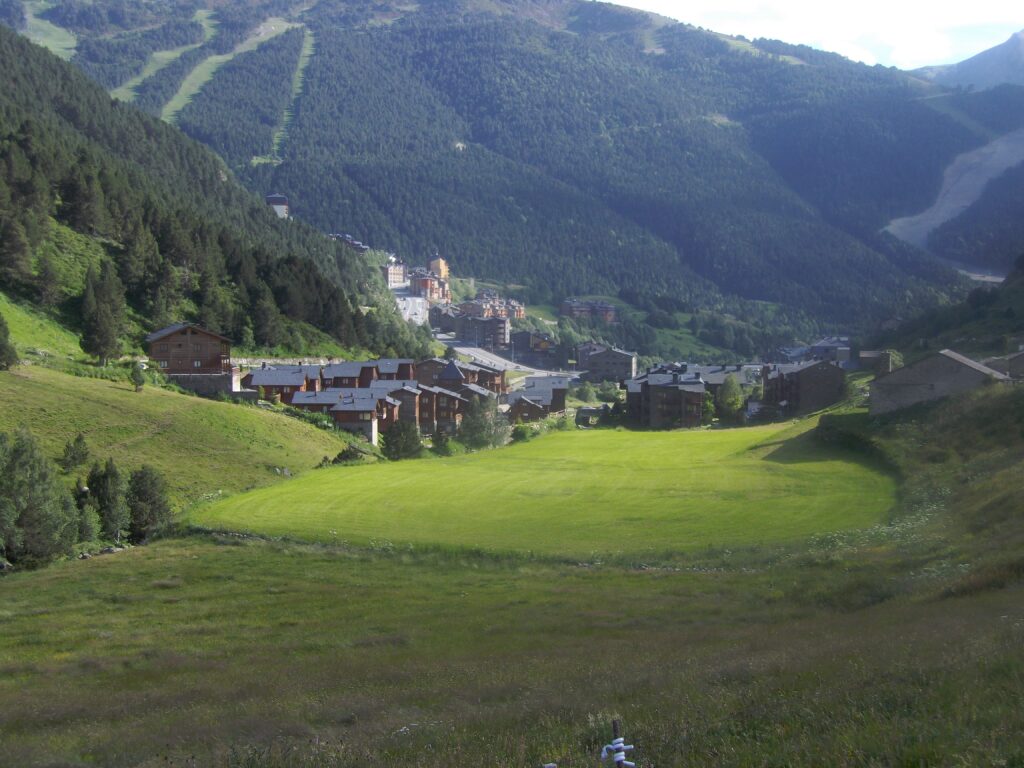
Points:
(439, 267)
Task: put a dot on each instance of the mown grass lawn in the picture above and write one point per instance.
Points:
(582, 493)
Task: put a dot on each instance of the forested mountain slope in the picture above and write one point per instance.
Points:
(578, 147)
(186, 241)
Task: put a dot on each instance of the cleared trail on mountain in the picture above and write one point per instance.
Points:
(963, 184)
(308, 49)
(207, 68)
(160, 59)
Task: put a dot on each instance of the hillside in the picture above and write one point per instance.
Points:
(575, 147)
(989, 322)
(186, 241)
(1000, 65)
(894, 644)
(203, 448)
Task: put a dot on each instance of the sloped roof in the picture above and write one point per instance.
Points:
(277, 377)
(973, 364)
(451, 372)
(172, 329)
(390, 365)
(345, 370)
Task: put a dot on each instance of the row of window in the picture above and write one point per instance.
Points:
(197, 349)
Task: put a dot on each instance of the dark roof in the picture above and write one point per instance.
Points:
(451, 372)
(360, 405)
(277, 377)
(171, 329)
(442, 391)
(327, 397)
(478, 390)
(345, 370)
(390, 365)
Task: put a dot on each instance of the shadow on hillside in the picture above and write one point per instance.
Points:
(799, 450)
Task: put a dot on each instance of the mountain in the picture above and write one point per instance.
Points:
(1001, 65)
(88, 184)
(580, 148)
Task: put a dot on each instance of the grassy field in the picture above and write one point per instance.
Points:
(582, 493)
(901, 644)
(207, 68)
(160, 59)
(32, 330)
(201, 446)
(57, 40)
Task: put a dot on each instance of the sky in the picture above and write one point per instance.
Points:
(900, 33)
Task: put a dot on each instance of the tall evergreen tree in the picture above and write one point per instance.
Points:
(148, 506)
(15, 251)
(8, 354)
(102, 313)
(107, 486)
(38, 519)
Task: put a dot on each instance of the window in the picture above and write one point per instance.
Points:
(163, 363)
(364, 417)
(197, 363)
(162, 347)
(197, 348)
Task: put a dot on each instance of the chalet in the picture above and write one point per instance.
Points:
(283, 382)
(525, 410)
(440, 410)
(666, 400)
(429, 372)
(318, 402)
(357, 415)
(187, 348)
(392, 369)
(833, 348)
(937, 376)
(543, 396)
(604, 311)
(279, 204)
(611, 365)
(799, 388)
(585, 350)
(358, 374)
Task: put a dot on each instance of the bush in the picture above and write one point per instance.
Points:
(521, 433)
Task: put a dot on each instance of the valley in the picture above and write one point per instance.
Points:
(726, 451)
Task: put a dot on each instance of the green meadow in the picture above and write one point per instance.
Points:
(581, 493)
(201, 446)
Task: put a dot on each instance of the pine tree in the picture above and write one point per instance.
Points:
(401, 441)
(15, 251)
(102, 313)
(107, 487)
(148, 506)
(76, 453)
(8, 354)
(138, 377)
(48, 282)
(38, 518)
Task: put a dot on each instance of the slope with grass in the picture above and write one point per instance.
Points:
(580, 493)
(202, 447)
(160, 59)
(206, 69)
(32, 329)
(900, 645)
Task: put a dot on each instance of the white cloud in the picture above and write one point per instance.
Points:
(900, 33)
